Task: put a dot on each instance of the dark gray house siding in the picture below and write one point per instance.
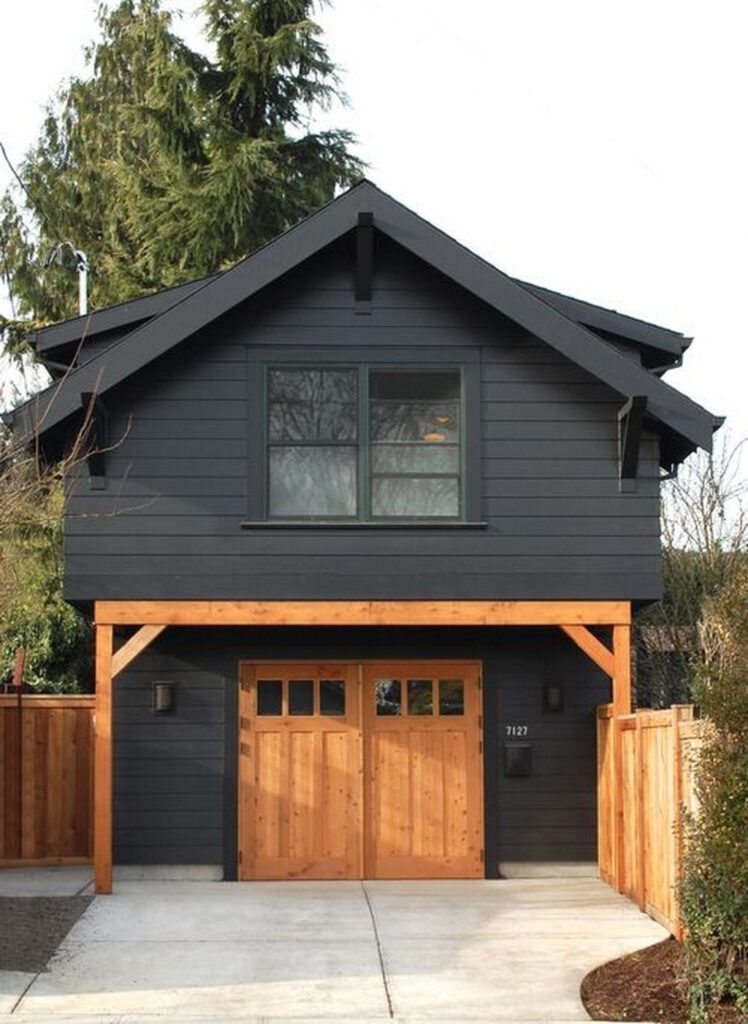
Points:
(175, 774)
(187, 467)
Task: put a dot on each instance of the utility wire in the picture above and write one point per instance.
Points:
(35, 205)
(6, 275)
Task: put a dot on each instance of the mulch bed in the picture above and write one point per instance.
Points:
(645, 986)
(32, 927)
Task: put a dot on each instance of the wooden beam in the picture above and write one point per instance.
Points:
(621, 669)
(364, 256)
(134, 646)
(103, 761)
(630, 422)
(363, 613)
(592, 647)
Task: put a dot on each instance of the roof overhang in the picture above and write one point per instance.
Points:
(202, 303)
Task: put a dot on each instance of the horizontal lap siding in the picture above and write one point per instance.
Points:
(169, 768)
(184, 470)
(175, 774)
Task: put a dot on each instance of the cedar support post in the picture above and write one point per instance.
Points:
(103, 761)
(621, 670)
(621, 706)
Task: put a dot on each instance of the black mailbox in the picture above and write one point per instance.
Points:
(517, 759)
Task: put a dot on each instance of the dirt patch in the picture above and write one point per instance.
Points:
(32, 927)
(645, 986)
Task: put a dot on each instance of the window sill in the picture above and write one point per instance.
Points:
(331, 524)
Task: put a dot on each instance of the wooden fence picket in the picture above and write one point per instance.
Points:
(645, 780)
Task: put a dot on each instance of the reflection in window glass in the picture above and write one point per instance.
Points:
(451, 697)
(420, 697)
(331, 697)
(414, 425)
(415, 458)
(301, 697)
(269, 697)
(313, 481)
(419, 496)
(388, 697)
(312, 405)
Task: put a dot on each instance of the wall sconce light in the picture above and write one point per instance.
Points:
(553, 697)
(164, 697)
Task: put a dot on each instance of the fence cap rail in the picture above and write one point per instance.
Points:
(48, 700)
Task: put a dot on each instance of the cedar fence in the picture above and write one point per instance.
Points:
(46, 779)
(645, 776)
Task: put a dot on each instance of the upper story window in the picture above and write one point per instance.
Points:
(364, 443)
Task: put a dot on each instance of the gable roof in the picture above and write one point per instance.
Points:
(660, 341)
(685, 421)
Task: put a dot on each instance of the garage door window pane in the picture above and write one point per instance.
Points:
(331, 697)
(420, 697)
(388, 696)
(451, 697)
(269, 697)
(301, 697)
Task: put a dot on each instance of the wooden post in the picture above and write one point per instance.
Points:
(622, 670)
(680, 713)
(621, 706)
(641, 823)
(103, 761)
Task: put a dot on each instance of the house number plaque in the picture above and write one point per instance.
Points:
(517, 730)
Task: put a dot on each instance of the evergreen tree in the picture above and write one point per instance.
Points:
(166, 165)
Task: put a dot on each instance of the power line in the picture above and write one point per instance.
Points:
(6, 275)
(33, 203)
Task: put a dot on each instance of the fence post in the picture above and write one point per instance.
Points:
(679, 713)
(639, 768)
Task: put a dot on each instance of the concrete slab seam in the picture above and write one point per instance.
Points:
(22, 996)
(380, 954)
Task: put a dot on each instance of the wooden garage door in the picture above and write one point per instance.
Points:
(423, 789)
(300, 770)
(370, 770)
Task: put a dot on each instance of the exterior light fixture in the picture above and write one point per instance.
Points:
(164, 697)
(553, 697)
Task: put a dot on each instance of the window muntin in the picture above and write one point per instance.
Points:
(364, 443)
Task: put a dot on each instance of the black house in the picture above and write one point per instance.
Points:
(361, 529)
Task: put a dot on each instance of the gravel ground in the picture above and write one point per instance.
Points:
(32, 927)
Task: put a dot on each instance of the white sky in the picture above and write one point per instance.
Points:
(597, 147)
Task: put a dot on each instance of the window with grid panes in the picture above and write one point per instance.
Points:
(364, 443)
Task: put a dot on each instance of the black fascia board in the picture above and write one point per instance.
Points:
(499, 291)
(629, 327)
(133, 311)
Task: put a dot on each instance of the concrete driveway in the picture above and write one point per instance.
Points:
(414, 951)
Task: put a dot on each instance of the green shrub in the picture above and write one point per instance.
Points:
(33, 614)
(714, 891)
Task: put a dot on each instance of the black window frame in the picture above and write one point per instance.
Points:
(467, 476)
